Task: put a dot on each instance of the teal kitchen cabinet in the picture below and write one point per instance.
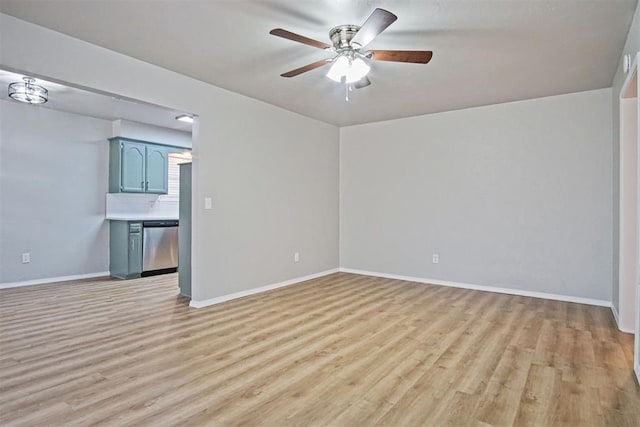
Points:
(138, 167)
(132, 167)
(125, 249)
(157, 169)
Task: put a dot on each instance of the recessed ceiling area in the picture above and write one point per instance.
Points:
(484, 52)
(79, 101)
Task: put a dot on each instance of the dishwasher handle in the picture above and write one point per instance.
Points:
(160, 223)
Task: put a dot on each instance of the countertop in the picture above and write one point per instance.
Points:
(139, 218)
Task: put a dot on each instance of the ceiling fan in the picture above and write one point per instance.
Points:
(350, 64)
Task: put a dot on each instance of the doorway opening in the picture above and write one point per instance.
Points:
(629, 276)
(55, 170)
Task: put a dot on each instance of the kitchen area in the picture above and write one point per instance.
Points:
(144, 214)
(103, 181)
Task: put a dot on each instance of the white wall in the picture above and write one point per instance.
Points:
(53, 177)
(632, 46)
(516, 195)
(272, 174)
(150, 133)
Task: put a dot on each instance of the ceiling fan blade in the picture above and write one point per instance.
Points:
(415, 56)
(298, 38)
(363, 82)
(376, 23)
(306, 68)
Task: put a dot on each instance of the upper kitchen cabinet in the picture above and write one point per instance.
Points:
(130, 167)
(137, 167)
(157, 169)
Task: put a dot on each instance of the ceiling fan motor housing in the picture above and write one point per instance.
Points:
(341, 36)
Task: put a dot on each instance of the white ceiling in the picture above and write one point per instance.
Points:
(485, 51)
(102, 106)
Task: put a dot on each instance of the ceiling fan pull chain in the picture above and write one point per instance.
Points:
(346, 90)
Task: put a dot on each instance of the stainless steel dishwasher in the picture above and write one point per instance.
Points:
(159, 247)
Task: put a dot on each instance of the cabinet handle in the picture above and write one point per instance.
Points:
(142, 185)
(133, 244)
(146, 186)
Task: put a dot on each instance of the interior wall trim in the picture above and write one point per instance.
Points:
(510, 291)
(248, 292)
(616, 316)
(49, 280)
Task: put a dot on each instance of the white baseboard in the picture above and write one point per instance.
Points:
(616, 316)
(224, 298)
(53, 280)
(520, 292)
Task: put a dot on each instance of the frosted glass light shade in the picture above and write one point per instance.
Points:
(186, 118)
(357, 71)
(338, 69)
(350, 69)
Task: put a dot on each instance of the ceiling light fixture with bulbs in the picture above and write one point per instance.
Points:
(348, 66)
(27, 91)
(186, 118)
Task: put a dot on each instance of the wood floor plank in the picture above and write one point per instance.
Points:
(341, 350)
(540, 397)
(501, 398)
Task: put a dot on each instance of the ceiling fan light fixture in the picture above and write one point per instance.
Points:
(351, 70)
(27, 91)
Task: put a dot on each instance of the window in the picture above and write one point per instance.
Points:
(175, 159)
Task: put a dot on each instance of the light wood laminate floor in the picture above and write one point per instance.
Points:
(343, 350)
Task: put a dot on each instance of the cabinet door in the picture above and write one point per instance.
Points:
(132, 167)
(135, 249)
(157, 169)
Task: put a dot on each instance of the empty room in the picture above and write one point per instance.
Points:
(319, 213)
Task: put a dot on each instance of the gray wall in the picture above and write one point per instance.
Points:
(272, 174)
(632, 46)
(280, 195)
(515, 195)
(53, 177)
(151, 133)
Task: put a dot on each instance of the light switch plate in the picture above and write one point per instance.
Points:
(207, 203)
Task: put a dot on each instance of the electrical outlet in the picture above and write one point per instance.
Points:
(296, 257)
(207, 203)
(26, 258)
(435, 258)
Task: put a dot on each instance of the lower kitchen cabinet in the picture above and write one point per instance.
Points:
(125, 249)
